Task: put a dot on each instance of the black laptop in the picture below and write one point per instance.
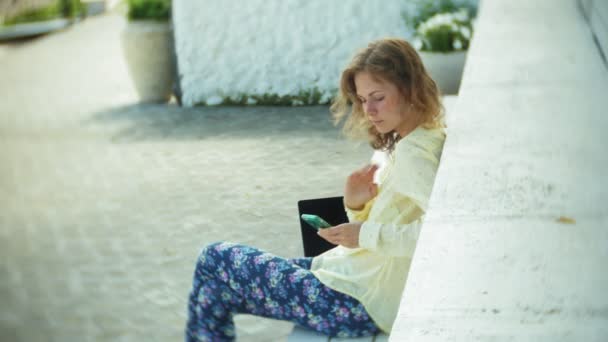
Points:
(331, 209)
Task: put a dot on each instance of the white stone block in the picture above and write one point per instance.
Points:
(525, 150)
(515, 240)
(300, 334)
(509, 279)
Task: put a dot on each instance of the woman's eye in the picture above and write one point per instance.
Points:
(379, 99)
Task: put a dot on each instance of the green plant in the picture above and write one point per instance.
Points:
(38, 14)
(445, 32)
(149, 10)
(58, 9)
(306, 97)
(421, 10)
(71, 8)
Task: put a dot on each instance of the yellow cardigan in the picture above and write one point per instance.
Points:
(375, 273)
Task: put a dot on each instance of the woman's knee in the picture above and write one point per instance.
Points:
(213, 253)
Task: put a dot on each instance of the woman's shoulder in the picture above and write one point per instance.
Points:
(422, 139)
(416, 160)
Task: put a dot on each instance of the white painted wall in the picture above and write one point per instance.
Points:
(225, 48)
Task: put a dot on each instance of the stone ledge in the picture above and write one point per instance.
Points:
(300, 334)
(514, 240)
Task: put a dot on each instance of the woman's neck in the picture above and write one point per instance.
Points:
(408, 127)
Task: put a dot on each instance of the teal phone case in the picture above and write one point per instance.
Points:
(315, 221)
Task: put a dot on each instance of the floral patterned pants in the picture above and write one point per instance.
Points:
(231, 279)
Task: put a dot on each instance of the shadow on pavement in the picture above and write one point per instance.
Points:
(141, 122)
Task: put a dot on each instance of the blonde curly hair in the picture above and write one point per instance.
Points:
(396, 61)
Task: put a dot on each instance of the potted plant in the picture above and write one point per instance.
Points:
(147, 42)
(442, 39)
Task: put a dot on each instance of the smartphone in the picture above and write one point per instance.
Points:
(315, 221)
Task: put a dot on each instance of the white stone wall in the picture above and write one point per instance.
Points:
(283, 47)
(596, 12)
(514, 244)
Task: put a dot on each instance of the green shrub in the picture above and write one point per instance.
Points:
(149, 9)
(445, 32)
(423, 10)
(71, 8)
(309, 97)
(39, 14)
(59, 9)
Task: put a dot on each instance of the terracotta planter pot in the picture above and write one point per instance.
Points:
(147, 47)
(445, 68)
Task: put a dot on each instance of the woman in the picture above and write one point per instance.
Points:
(355, 288)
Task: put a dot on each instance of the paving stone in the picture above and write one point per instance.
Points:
(104, 214)
(105, 203)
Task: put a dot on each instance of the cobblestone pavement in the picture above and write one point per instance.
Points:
(104, 204)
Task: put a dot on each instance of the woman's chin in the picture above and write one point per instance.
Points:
(382, 130)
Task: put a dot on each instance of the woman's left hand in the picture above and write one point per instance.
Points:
(346, 234)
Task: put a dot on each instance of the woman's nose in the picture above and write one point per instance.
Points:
(370, 108)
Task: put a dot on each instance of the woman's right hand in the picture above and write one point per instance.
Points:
(360, 187)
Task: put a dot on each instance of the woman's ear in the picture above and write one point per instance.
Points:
(407, 107)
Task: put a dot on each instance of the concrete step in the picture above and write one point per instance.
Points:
(300, 334)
